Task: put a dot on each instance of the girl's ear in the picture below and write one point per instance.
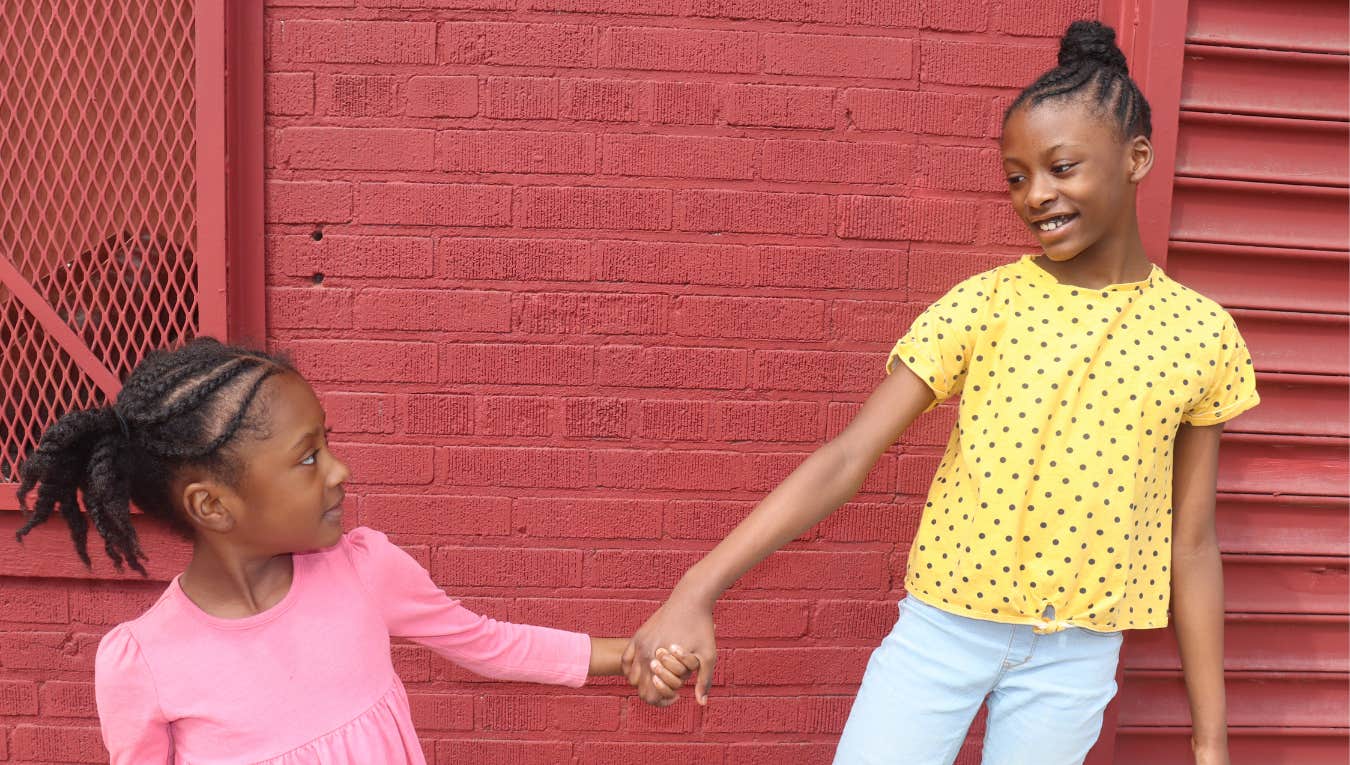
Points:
(205, 506)
(1140, 157)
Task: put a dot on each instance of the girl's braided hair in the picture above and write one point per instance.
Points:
(177, 408)
(1092, 66)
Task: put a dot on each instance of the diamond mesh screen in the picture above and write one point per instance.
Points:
(97, 156)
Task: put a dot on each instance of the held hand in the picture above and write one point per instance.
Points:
(675, 624)
(669, 670)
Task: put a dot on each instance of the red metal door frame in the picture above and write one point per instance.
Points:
(229, 203)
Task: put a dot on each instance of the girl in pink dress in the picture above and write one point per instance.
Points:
(273, 645)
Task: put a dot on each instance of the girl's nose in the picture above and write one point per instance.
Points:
(339, 474)
(1040, 194)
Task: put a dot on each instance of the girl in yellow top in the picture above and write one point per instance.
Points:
(1076, 495)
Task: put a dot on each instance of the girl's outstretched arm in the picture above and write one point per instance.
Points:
(827, 479)
(1197, 588)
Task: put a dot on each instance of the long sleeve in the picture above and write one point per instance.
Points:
(134, 727)
(414, 607)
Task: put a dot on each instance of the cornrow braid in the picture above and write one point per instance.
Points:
(1092, 66)
(177, 408)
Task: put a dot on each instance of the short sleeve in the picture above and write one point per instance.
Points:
(940, 342)
(134, 727)
(1232, 387)
(414, 607)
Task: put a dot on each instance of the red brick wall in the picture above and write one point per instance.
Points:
(580, 281)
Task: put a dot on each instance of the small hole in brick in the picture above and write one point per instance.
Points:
(317, 235)
(318, 278)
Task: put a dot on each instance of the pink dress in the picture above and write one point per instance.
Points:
(310, 680)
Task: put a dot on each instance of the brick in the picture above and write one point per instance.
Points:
(849, 268)
(767, 421)
(59, 698)
(761, 753)
(590, 313)
(915, 472)
(800, 666)
(908, 219)
(869, 320)
(644, 718)
(387, 463)
(364, 360)
(871, 522)
(687, 103)
(440, 310)
(512, 44)
(836, 162)
(1000, 224)
(359, 42)
(588, 518)
(771, 714)
(49, 651)
(520, 98)
(474, 566)
(355, 95)
(531, 260)
(359, 412)
(861, 620)
(433, 204)
(608, 616)
(760, 618)
(517, 466)
(512, 713)
(411, 662)
(629, 753)
(960, 168)
(29, 601)
(585, 713)
(647, 569)
(600, 100)
(596, 418)
(763, 318)
(441, 711)
(588, 207)
(685, 50)
(753, 212)
(1042, 18)
(674, 420)
(659, 367)
(308, 202)
(704, 519)
(933, 430)
(817, 371)
(674, 263)
(288, 93)
(514, 752)
(58, 743)
(437, 515)
(309, 308)
(515, 416)
(796, 569)
(984, 63)
(432, 96)
(882, 13)
(912, 111)
(384, 257)
(769, 10)
(933, 272)
(701, 470)
(780, 106)
(627, 7)
(519, 364)
(434, 414)
(958, 15)
(699, 156)
(18, 697)
(482, 5)
(503, 151)
(107, 604)
(839, 56)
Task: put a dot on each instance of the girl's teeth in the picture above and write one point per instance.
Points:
(1051, 225)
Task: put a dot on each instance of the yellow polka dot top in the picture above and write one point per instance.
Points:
(1056, 485)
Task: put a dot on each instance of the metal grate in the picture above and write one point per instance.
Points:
(97, 201)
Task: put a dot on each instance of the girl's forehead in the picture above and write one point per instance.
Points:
(1033, 130)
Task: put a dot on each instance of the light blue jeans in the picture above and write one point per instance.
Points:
(925, 683)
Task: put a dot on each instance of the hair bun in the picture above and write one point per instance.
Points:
(1091, 42)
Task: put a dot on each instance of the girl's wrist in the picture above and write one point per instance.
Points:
(694, 589)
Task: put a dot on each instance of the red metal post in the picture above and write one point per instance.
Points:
(210, 96)
(247, 314)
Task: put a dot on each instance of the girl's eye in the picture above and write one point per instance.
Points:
(1013, 180)
(311, 459)
(1062, 167)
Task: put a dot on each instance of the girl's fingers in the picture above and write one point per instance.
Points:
(672, 674)
(689, 660)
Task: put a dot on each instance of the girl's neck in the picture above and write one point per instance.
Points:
(1112, 260)
(227, 584)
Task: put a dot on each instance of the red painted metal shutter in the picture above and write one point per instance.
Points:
(1259, 222)
(112, 183)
